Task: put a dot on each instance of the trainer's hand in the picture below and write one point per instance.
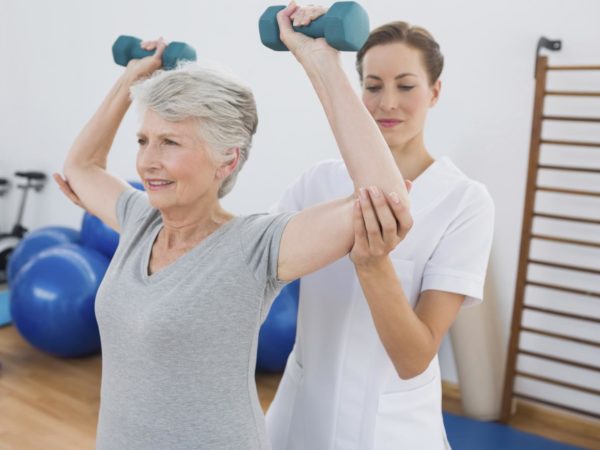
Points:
(377, 231)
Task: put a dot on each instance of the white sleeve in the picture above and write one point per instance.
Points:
(303, 191)
(459, 261)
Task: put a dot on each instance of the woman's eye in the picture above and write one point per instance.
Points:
(372, 88)
(170, 142)
(141, 141)
(405, 87)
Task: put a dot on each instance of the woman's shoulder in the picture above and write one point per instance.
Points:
(472, 192)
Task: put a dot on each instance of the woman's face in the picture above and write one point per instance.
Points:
(397, 92)
(173, 162)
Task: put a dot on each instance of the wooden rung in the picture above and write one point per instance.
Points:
(573, 68)
(570, 143)
(572, 118)
(565, 240)
(565, 266)
(559, 360)
(557, 405)
(573, 93)
(564, 337)
(568, 169)
(567, 218)
(568, 191)
(558, 382)
(562, 314)
(564, 289)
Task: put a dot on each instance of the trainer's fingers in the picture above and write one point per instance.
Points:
(361, 241)
(401, 211)
(371, 222)
(384, 215)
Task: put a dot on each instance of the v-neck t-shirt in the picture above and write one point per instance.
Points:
(179, 346)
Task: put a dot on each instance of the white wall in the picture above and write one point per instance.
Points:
(57, 66)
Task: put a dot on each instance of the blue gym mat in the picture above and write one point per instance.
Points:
(469, 434)
(4, 309)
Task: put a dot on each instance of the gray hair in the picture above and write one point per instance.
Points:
(224, 107)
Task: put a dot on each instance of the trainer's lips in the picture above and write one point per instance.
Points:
(157, 185)
(388, 123)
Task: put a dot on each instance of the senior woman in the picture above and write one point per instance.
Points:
(181, 304)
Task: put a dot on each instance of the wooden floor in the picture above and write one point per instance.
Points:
(50, 403)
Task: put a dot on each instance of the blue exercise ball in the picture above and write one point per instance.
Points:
(278, 332)
(99, 236)
(35, 242)
(52, 300)
(137, 184)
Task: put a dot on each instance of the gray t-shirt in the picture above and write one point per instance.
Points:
(179, 346)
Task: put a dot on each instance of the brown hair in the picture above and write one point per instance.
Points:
(413, 36)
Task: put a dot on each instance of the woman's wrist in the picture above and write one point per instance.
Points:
(372, 265)
(317, 63)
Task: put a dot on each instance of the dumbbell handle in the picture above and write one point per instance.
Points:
(315, 29)
(139, 52)
(127, 48)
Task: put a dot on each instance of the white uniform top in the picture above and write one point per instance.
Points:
(340, 389)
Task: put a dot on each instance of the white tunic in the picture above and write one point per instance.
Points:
(340, 389)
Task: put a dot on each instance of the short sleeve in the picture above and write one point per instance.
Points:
(260, 242)
(459, 261)
(311, 187)
(132, 206)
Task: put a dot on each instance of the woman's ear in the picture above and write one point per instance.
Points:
(435, 92)
(229, 167)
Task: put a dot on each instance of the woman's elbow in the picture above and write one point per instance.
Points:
(407, 371)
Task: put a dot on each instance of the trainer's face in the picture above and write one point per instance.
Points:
(173, 162)
(397, 92)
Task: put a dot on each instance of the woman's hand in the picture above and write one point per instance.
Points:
(144, 67)
(64, 186)
(376, 230)
(303, 47)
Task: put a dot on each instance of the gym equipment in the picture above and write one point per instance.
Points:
(469, 434)
(278, 332)
(345, 27)
(52, 300)
(5, 318)
(34, 243)
(127, 48)
(4, 186)
(8, 241)
(99, 236)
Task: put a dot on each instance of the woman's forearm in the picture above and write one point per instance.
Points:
(92, 145)
(365, 152)
(407, 340)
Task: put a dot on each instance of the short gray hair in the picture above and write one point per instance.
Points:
(224, 107)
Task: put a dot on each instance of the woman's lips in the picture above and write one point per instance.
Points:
(388, 123)
(156, 185)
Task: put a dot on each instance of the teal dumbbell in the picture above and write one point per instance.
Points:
(127, 48)
(345, 27)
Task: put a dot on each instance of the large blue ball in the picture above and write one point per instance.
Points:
(52, 300)
(34, 243)
(278, 332)
(99, 236)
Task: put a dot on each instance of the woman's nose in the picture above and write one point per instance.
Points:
(150, 157)
(389, 101)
